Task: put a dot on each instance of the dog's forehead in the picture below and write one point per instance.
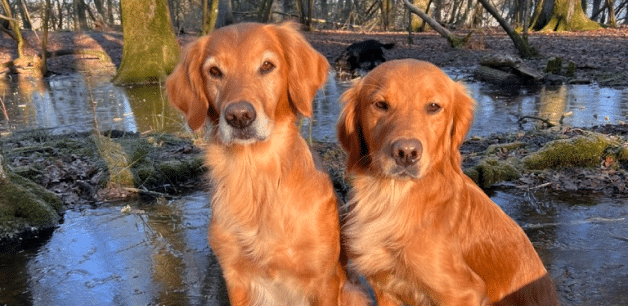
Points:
(245, 43)
(407, 79)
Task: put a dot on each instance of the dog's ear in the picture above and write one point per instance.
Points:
(307, 69)
(462, 117)
(186, 87)
(349, 130)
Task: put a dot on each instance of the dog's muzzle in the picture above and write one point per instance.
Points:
(241, 124)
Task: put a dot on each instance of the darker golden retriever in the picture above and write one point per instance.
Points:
(419, 229)
(274, 226)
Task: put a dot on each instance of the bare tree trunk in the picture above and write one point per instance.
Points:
(100, 7)
(210, 15)
(310, 15)
(77, 26)
(44, 40)
(385, 8)
(60, 8)
(453, 40)
(611, 14)
(225, 13)
(265, 9)
(26, 18)
(110, 11)
(596, 8)
(522, 46)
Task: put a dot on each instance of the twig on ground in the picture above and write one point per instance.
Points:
(149, 193)
(576, 222)
(546, 121)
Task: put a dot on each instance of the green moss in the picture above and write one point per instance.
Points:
(490, 171)
(554, 65)
(26, 206)
(571, 69)
(179, 170)
(580, 151)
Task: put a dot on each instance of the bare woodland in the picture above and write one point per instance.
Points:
(454, 20)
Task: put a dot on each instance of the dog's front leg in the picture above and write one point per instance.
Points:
(235, 270)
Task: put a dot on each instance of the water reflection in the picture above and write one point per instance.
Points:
(74, 103)
(71, 103)
(574, 105)
(581, 240)
(161, 256)
(107, 257)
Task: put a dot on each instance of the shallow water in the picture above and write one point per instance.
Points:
(159, 255)
(72, 103)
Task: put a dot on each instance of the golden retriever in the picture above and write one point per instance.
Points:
(420, 230)
(274, 225)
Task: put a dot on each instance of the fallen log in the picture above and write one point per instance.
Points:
(496, 76)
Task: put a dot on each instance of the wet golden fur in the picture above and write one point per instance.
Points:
(425, 234)
(274, 226)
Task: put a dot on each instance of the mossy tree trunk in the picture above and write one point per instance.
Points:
(150, 49)
(562, 15)
(15, 27)
(210, 15)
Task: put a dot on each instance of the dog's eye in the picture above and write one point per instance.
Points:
(266, 67)
(432, 108)
(382, 105)
(215, 72)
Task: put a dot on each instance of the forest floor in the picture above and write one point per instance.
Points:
(600, 56)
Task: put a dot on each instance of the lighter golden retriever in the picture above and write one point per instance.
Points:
(274, 225)
(419, 229)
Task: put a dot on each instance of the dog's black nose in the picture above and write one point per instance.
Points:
(240, 114)
(406, 152)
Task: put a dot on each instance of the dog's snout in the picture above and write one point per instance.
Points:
(240, 114)
(406, 152)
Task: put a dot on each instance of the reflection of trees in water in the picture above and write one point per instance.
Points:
(552, 103)
(184, 276)
(65, 103)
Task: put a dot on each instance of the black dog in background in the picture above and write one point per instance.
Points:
(361, 57)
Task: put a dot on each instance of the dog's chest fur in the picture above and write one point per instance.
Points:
(375, 226)
(263, 214)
